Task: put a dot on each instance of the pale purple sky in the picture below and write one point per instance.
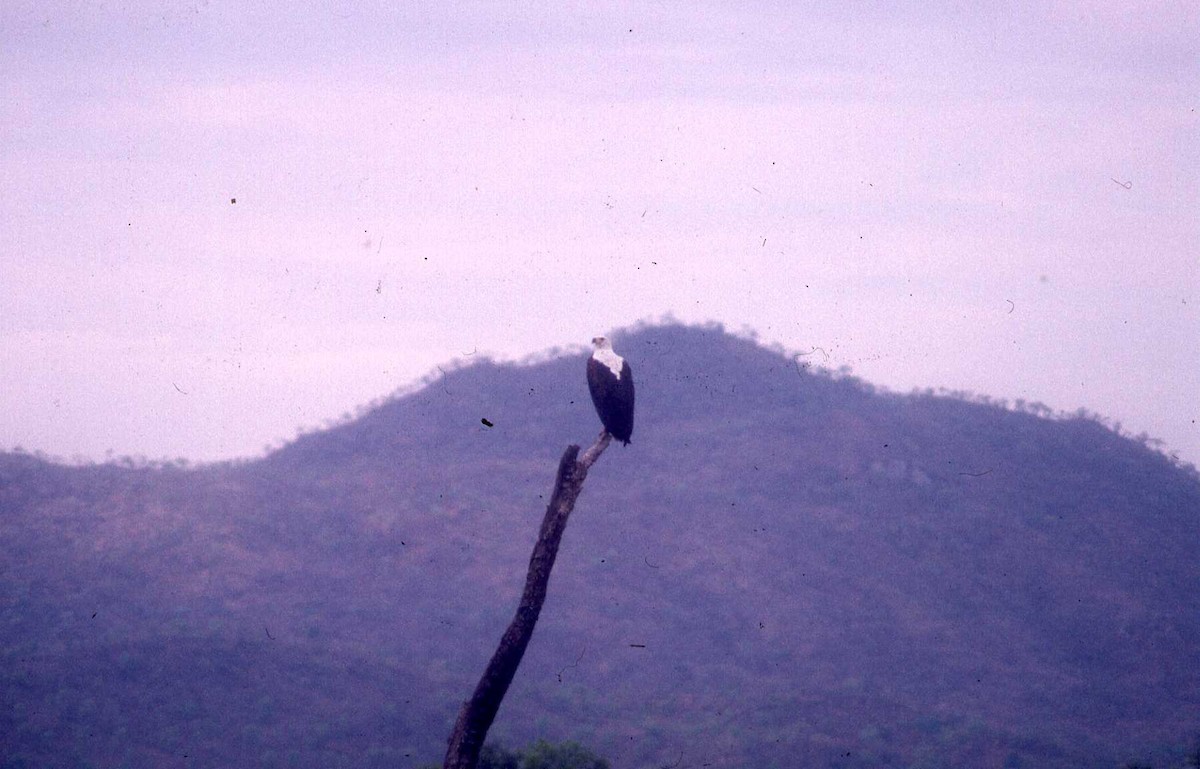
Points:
(1001, 201)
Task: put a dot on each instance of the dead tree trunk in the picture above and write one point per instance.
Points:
(477, 714)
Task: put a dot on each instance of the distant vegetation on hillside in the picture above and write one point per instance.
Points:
(787, 567)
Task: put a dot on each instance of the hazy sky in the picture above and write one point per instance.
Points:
(1005, 201)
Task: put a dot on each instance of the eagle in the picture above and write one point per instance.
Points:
(611, 384)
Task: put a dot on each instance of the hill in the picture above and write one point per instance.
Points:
(785, 568)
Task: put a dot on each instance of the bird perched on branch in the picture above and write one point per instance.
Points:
(611, 384)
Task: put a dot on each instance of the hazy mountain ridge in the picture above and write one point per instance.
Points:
(809, 569)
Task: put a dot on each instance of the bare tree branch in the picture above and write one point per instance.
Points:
(477, 714)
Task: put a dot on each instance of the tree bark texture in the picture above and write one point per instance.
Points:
(477, 714)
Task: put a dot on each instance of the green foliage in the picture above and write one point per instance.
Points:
(540, 755)
(496, 757)
(566, 755)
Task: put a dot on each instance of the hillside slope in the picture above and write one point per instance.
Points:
(784, 567)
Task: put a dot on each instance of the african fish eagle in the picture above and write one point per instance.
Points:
(611, 384)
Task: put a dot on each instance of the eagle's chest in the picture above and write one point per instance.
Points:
(610, 360)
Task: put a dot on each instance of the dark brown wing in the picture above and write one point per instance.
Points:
(600, 385)
(624, 397)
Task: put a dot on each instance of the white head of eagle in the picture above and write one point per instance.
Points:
(611, 384)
